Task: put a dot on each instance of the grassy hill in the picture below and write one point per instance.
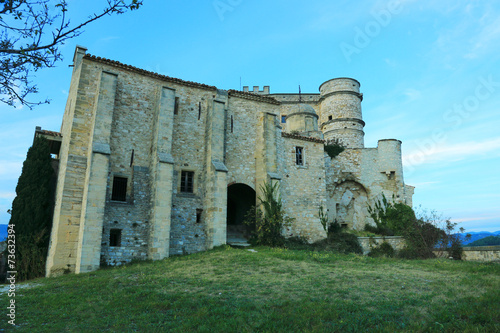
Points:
(272, 290)
(486, 241)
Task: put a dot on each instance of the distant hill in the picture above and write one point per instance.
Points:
(477, 235)
(486, 241)
(3, 232)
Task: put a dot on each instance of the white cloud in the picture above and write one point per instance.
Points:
(451, 152)
(486, 38)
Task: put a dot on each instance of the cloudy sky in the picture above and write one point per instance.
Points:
(429, 72)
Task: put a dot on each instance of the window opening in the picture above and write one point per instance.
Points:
(198, 215)
(119, 192)
(187, 178)
(299, 155)
(176, 105)
(115, 237)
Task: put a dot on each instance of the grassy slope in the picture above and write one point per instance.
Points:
(274, 290)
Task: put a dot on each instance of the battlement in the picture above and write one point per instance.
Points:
(256, 90)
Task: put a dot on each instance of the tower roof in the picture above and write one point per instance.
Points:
(302, 109)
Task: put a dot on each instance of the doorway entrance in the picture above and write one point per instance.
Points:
(240, 199)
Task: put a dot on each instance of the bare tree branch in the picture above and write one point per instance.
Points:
(30, 36)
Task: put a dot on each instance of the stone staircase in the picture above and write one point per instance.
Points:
(236, 236)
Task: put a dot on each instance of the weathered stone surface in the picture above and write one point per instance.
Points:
(179, 145)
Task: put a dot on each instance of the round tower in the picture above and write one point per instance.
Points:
(340, 115)
(302, 118)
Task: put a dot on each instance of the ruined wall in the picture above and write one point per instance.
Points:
(370, 243)
(357, 178)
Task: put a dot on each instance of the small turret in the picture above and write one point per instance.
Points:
(302, 118)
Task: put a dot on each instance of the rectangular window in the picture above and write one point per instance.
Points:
(115, 237)
(198, 215)
(283, 119)
(187, 181)
(119, 191)
(299, 155)
(176, 105)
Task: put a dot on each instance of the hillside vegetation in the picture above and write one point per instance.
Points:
(487, 241)
(271, 290)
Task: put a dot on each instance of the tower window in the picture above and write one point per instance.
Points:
(283, 119)
(115, 237)
(299, 155)
(119, 191)
(330, 117)
(187, 181)
(198, 215)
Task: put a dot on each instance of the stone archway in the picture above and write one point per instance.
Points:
(240, 199)
(351, 205)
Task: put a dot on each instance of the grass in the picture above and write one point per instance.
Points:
(273, 290)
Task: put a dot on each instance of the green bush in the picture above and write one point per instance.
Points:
(334, 150)
(269, 219)
(391, 218)
(423, 235)
(383, 250)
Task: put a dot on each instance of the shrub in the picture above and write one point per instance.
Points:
(383, 250)
(391, 218)
(336, 240)
(269, 219)
(331, 228)
(423, 235)
(334, 150)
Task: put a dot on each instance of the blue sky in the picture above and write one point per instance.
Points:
(429, 72)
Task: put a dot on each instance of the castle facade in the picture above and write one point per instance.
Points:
(152, 166)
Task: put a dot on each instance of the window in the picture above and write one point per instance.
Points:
(283, 119)
(119, 192)
(299, 155)
(115, 237)
(198, 215)
(176, 105)
(187, 178)
(330, 117)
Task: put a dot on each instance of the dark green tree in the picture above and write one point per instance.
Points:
(32, 211)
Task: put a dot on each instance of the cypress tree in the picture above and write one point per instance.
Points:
(32, 211)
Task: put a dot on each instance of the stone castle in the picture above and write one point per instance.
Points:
(152, 166)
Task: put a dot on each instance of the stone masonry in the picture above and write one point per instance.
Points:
(152, 166)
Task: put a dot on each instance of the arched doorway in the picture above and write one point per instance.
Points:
(240, 199)
(351, 205)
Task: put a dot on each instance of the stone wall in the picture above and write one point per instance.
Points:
(121, 121)
(303, 186)
(477, 253)
(369, 243)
